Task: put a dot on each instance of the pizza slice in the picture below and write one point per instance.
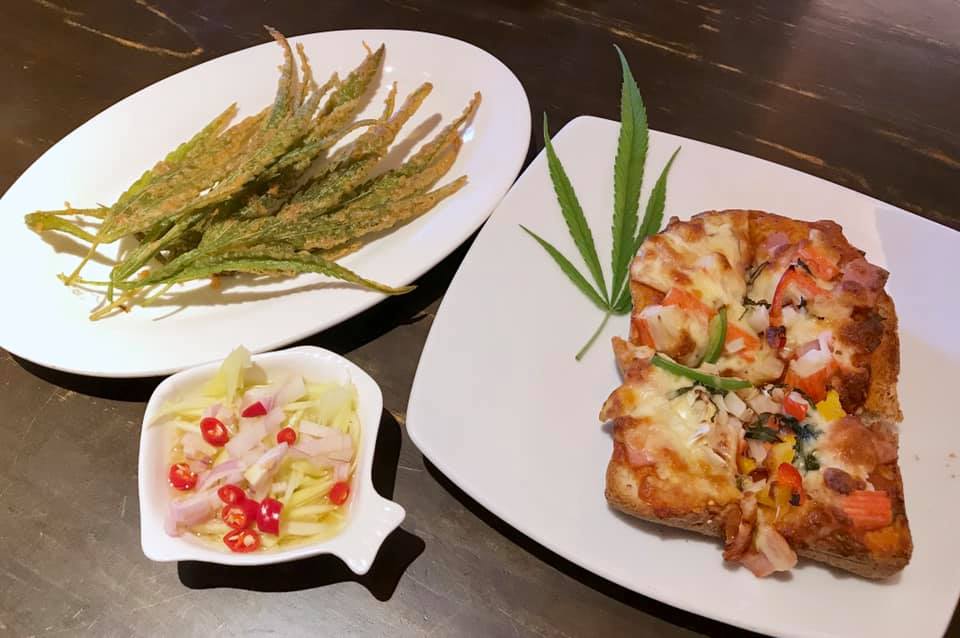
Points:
(759, 397)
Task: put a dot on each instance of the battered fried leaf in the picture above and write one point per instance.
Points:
(267, 260)
(325, 233)
(176, 157)
(256, 197)
(42, 221)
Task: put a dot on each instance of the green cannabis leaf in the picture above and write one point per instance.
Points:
(627, 229)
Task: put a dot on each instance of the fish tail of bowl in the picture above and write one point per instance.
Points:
(377, 517)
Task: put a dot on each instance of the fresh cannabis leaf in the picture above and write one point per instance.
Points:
(627, 229)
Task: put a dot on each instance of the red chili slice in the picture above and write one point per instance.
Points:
(268, 518)
(339, 493)
(214, 431)
(231, 494)
(242, 540)
(252, 508)
(236, 516)
(287, 435)
(254, 409)
(181, 477)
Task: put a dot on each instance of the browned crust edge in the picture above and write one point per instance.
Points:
(620, 495)
(710, 524)
(882, 399)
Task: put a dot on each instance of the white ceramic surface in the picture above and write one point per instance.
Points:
(48, 323)
(501, 407)
(371, 517)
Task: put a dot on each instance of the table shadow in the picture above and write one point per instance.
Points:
(392, 312)
(134, 389)
(687, 620)
(397, 553)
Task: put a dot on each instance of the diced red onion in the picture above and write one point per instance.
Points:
(811, 362)
(341, 471)
(250, 456)
(188, 511)
(298, 453)
(762, 403)
(758, 319)
(776, 336)
(273, 419)
(824, 338)
(758, 564)
(198, 466)
(776, 548)
(227, 415)
(231, 471)
(807, 347)
(317, 430)
(194, 447)
(314, 446)
(269, 461)
(343, 454)
(734, 404)
(251, 432)
(757, 450)
(291, 390)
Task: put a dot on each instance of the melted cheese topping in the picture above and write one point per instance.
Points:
(712, 265)
(680, 424)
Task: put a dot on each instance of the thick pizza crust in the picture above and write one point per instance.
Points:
(881, 407)
(882, 397)
(621, 494)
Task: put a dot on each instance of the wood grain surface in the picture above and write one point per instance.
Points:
(864, 93)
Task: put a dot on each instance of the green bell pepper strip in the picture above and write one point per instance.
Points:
(716, 336)
(709, 380)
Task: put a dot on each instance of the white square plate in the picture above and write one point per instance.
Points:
(371, 517)
(502, 408)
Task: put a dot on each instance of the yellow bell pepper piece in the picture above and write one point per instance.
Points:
(764, 498)
(830, 408)
(781, 496)
(746, 464)
(781, 453)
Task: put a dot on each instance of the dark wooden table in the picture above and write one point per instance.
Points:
(866, 94)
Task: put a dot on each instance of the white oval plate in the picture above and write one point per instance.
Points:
(371, 517)
(47, 323)
(501, 407)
